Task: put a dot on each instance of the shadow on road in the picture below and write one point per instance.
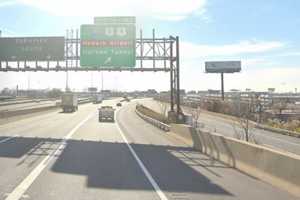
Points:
(111, 165)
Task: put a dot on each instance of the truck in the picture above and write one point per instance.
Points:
(106, 113)
(69, 102)
(98, 98)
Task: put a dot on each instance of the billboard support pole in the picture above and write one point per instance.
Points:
(222, 86)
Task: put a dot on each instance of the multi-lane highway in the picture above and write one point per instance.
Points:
(231, 128)
(73, 156)
(24, 106)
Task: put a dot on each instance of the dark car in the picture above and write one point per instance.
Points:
(119, 104)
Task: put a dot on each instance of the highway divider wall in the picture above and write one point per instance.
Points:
(151, 113)
(277, 168)
(8, 114)
(26, 101)
(154, 122)
(12, 113)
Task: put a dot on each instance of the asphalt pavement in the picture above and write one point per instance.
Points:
(73, 156)
(230, 128)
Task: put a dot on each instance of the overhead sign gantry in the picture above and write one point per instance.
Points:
(110, 44)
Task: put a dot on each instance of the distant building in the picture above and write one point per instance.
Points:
(151, 91)
(271, 90)
(213, 91)
(191, 92)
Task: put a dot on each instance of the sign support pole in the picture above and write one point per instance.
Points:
(171, 78)
(177, 77)
(222, 86)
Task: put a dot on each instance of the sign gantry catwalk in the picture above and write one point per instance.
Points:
(110, 44)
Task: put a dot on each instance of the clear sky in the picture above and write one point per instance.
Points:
(264, 35)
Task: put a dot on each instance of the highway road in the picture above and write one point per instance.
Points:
(27, 105)
(73, 156)
(228, 127)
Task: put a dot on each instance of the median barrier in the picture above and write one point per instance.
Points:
(280, 169)
(14, 113)
(25, 101)
(154, 122)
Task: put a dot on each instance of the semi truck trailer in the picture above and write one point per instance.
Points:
(69, 102)
(106, 113)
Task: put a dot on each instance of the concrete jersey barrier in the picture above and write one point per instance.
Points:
(154, 122)
(277, 168)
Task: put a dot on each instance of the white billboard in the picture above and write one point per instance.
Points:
(222, 66)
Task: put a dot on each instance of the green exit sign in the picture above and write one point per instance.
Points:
(117, 20)
(108, 45)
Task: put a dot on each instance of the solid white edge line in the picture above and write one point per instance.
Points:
(156, 187)
(9, 138)
(18, 192)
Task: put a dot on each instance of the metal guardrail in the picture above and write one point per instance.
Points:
(154, 122)
(82, 101)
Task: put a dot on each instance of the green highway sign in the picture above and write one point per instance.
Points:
(114, 20)
(32, 49)
(109, 45)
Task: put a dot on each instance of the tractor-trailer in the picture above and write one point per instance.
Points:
(69, 102)
(97, 99)
(106, 113)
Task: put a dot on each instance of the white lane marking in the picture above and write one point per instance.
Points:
(7, 139)
(157, 189)
(19, 191)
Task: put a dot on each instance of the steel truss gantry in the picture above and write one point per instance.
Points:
(152, 55)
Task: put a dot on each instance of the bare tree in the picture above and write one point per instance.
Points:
(195, 116)
(163, 107)
(244, 114)
(243, 121)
